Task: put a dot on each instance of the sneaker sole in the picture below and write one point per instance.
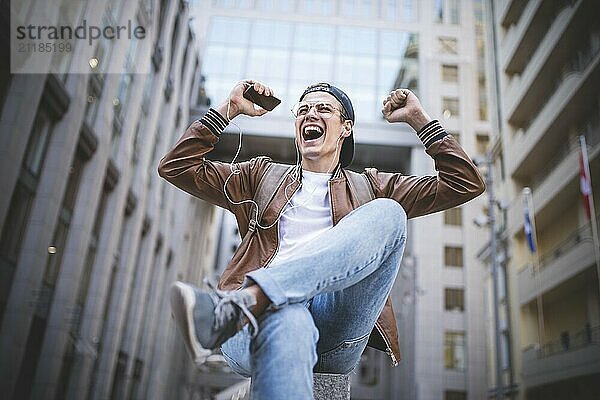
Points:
(183, 300)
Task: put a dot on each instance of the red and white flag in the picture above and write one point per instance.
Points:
(585, 181)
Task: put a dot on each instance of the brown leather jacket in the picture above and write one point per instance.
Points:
(457, 181)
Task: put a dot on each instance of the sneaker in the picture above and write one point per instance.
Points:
(207, 319)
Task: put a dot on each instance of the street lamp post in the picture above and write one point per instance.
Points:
(489, 181)
(492, 204)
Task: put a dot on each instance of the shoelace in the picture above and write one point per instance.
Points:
(226, 308)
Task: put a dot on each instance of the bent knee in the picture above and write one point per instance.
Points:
(390, 214)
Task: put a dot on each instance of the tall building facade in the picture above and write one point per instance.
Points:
(91, 238)
(548, 56)
(368, 48)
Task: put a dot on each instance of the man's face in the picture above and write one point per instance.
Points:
(317, 136)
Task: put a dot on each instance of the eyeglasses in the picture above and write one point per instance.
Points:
(324, 109)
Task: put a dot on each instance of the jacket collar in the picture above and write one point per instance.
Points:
(337, 172)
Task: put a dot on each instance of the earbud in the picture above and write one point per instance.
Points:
(344, 132)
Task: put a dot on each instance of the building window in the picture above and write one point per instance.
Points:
(454, 12)
(92, 103)
(357, 8)
(453, 256)
(137, 139)
(409, 10)
(317, 7)
(38, 144)
(138, 368)
(265, 4)
(116, 263)
(438, 11)
(482, 143)
(15, 224)
(454, 299)
(454, 350)
(17, 218)
(455, 395)
(68, 14)
(448, 45)
(61, 232)
(453, 216)
(118, 385)
(480, 28)
(82, 292)
(483, 105)
(13, 234)
(105, 46)
(449, 73)
(366, 8)
(391, 10)
(440, 14)
(450, 107)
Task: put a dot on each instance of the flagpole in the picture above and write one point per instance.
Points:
(535, 262)
(593, 220)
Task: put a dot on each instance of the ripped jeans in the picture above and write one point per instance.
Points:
(324, 304)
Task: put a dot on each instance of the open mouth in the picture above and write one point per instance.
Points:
(312, 132)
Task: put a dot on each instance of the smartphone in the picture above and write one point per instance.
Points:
(266, 102)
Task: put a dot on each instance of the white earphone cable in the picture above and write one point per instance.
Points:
(296, 175)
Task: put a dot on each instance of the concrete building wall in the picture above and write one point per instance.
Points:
(84, 295)
(547, 55)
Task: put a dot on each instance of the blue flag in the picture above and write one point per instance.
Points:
(529, 232)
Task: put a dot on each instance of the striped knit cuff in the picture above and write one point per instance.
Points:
(430, 133)
(214, 121)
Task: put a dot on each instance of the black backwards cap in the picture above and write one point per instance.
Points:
(347, 152)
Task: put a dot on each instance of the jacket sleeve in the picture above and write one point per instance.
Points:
(458, 180)
(186, 167)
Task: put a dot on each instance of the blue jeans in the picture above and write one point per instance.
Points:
(324, 303)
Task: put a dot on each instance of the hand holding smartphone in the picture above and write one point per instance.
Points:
(266, 102)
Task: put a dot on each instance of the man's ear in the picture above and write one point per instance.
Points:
(347, 128)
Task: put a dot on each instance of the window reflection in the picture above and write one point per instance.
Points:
(267, 64)
(314, 37)
(398, 66)
(229, 30)
(311, 67)
(393, 43)
(226, 60)
(409, 11)
(317, 7)
(357, 41)
(271, 34)
(353, 69)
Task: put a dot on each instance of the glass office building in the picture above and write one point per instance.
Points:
(365, 62)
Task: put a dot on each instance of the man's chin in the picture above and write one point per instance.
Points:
(310, 152)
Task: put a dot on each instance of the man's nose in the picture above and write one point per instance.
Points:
(312, 112)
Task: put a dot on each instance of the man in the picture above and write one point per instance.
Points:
(313, 280)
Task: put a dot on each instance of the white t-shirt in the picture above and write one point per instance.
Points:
(307, 215)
